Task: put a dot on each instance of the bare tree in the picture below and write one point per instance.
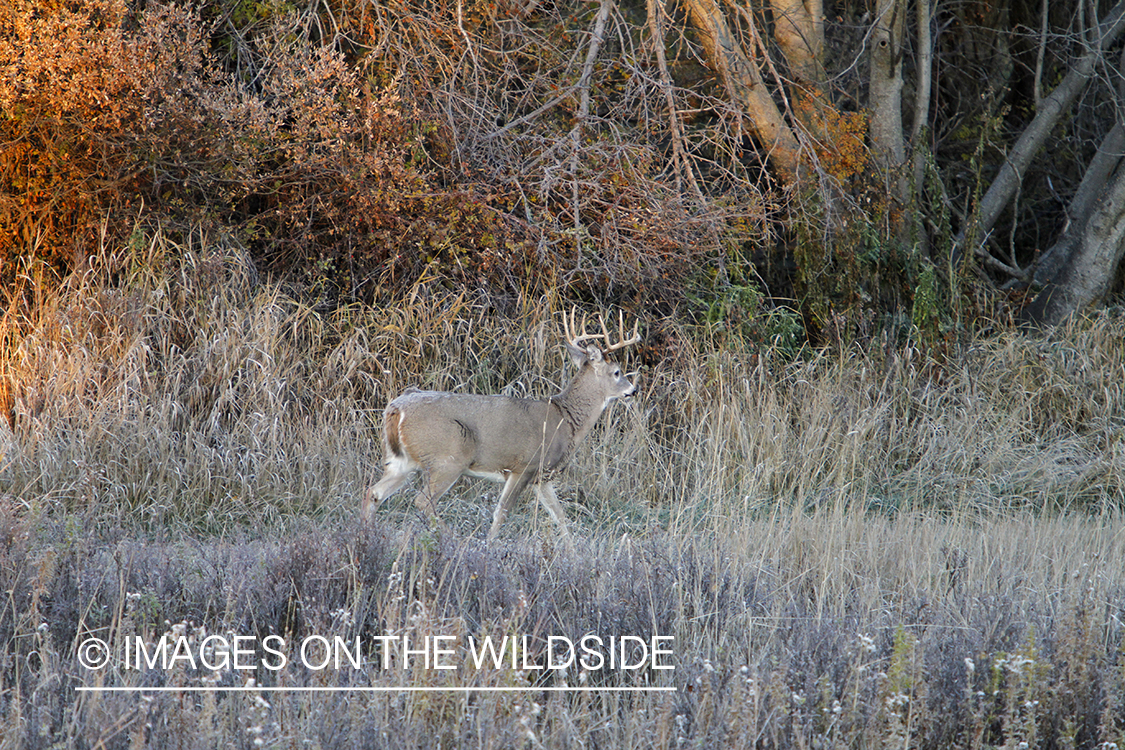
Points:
(1077, 270)
(743, 80)
(1096, 247)
(1051, 110)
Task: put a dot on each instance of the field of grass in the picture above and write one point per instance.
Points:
(849, 550)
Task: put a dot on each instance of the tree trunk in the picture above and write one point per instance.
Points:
(886, 83)
(1096, 249)
(885, 103)
(1090, 190)
(920, 129)
(743, 81)
(799, 32)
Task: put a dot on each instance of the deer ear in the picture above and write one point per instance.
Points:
(577, 354)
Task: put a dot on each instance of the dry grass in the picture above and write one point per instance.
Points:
(823, 630)
(851, 550)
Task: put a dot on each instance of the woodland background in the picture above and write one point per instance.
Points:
(789, 171)
(872, 481)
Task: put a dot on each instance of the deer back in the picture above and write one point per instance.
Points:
(492, 435)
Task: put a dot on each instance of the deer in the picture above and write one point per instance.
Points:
(515, 441)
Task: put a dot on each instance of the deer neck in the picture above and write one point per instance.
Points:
(579, 410)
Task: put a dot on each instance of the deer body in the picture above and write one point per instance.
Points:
(510, 440)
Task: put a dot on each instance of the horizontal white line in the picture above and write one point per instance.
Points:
(372, 689)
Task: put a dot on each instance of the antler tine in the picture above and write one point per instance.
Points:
(634, 338)
(566, 326)
(575, 338)
(605, 333)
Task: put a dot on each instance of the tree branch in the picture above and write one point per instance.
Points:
(596, 40)
(684, 172)
(744, 83)
(1033, 138)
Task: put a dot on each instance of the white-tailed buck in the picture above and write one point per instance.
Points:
(516, 441)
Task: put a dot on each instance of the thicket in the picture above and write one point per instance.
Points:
(356, 149)
(156, 113)
(342, 148)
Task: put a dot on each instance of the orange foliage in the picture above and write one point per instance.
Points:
(839, 137)
(411, 145)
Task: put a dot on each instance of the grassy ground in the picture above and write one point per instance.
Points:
(849, 550)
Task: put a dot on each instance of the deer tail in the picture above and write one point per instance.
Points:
(391, 432)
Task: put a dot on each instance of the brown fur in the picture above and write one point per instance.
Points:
(514, 441)
(394, 438)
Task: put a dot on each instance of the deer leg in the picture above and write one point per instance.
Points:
(512, 489)
(439, 478)
(550, 501)
(395, 474)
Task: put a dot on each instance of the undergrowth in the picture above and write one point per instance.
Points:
(344, 149)
(849, 549)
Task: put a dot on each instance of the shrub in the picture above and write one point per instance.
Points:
(358, 162)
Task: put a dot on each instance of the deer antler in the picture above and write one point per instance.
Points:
(574, 339)
(623, 342)
(569, 330)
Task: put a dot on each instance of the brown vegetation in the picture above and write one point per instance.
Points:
(355, 149)
(848, 549)
(230, 232)
(327, 161)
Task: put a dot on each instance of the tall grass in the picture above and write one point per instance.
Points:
(818, 629)
(851, 549)
(170, 381)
